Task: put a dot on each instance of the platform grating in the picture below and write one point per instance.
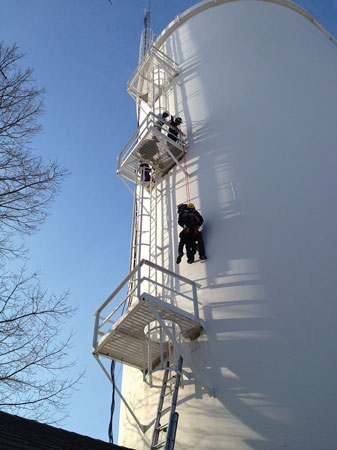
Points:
(151, 150)
(124, 342)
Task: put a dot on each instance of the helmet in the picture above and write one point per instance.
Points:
(166, 113)
(181, 206)
(191, 206)
(179, 120)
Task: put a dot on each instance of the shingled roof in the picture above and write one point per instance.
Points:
(24, 434)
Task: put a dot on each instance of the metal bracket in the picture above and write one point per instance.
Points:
(179, 348)
(164, 144)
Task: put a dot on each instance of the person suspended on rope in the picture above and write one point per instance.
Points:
(174, 128)
(190, 237)
(162, 119)
(198, 236)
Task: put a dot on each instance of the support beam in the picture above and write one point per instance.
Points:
(143, 428)
(186, 357)
(164, 144)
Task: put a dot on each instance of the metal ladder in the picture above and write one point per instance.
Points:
(141, 209)
(153, 233)
(171, 427)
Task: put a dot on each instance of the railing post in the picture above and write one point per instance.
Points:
(138, 282)
(195, 302)
(94, 341)
(144, 358)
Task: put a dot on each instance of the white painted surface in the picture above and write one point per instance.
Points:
(258, 94)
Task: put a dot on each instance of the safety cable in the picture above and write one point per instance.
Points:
(188, 199)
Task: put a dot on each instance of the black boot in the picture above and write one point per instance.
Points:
(178, 259)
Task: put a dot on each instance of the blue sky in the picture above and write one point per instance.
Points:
(83, 52)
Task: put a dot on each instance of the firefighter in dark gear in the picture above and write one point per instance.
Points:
(190, 219)
(174, 128)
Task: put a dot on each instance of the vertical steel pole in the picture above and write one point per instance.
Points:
(140, 240)
(155, 239)
(144, 356)
(161, 347)
(159, 93)
(150, 241)
(195, 302)
(153, 94)
(149, 363)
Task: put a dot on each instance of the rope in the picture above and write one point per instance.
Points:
(112, 372)
(188, 199)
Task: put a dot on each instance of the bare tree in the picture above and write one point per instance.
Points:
(27, 185)
(33, 359)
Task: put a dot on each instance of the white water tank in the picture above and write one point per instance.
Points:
(257, 90)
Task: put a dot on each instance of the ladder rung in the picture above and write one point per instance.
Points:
(172, 379)
(158, 446)
(162, 427)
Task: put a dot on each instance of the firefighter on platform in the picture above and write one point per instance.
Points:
(190, 220)
(162, 119)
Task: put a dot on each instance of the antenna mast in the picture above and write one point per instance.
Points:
(147, 34)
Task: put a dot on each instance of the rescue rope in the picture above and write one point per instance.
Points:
(112, 409)
(188, 199)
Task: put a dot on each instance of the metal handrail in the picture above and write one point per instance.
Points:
(122, 284)
(151, 52)
(107, 319)
(136, 269)
(150, 121)
(127, 150)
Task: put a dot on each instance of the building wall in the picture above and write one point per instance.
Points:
(257, 92)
